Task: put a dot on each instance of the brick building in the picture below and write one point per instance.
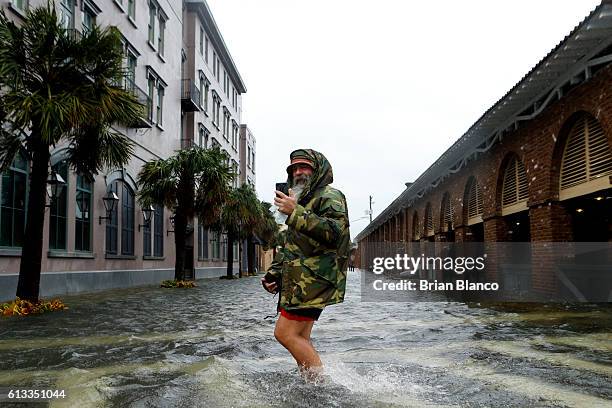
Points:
(537, 166)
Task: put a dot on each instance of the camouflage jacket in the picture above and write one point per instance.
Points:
(313, 260)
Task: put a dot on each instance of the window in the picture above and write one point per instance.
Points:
(216, 109)
(151, 89)
(155, 82)
(152, 18)
(249, 157)
(131, 70)
(204, 88)
(82, 228)
(58, 211)
(158, 232)
(19, 4)
(202, 242)
(236, 173)
(201, 40)
(112, 224)
(146, 239)
(89, 19)
(127, 220)
(160, 38)
(132, 9)
(215, 65)
(13, 204)
(204, 133)
(160, 104)
(67, 14)
(234, 135)
(206, 50)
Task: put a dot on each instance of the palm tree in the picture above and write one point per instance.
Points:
(59, 87)
(239, 217)
(195, 181)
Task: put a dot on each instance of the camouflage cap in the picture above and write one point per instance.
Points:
(300, 156)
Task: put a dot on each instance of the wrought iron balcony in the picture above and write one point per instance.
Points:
(142, 97)
(190, 96)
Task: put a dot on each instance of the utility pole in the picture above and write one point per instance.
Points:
(370, 209)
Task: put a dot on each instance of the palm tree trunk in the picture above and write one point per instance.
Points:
(179, 243)
(183, 209)
(28, 286)
(250, 255)
(230, 255)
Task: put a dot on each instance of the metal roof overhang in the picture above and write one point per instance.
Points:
(588, 46)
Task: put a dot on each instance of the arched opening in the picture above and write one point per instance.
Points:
(514, 196)
(429, 224)
(446, 218)
(416, 229)
(585, 180)
(473, 210)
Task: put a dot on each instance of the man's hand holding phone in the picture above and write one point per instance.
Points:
(285, 203)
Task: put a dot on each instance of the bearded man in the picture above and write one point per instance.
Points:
(310, 269)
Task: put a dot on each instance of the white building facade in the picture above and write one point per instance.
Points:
(179, 67)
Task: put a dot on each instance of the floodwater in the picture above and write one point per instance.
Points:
(211, 347)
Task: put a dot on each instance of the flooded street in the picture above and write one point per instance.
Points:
(210, 346)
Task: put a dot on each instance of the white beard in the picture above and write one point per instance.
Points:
(298, 189)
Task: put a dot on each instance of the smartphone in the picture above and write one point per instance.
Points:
(282, 187)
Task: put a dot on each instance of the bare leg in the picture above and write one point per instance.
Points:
(295, 337)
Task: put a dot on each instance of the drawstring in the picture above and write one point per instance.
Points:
(277, 307)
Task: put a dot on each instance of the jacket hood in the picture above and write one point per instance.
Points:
(322, 174)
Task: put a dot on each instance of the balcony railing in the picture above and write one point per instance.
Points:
(190, 96)
(145, 121)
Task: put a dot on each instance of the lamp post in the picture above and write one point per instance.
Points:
(55, 184)
(109, 200)
(147, 213)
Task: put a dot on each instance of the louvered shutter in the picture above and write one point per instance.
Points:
(416, 235)
(447, 213)
(587, 162)
(475, 205)
(514, 190)
(429, 225)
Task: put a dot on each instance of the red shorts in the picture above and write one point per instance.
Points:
(302, 315)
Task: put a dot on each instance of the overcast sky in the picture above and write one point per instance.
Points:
(384, 87)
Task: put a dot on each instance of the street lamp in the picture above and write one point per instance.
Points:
(171, 222)
(109, 200)
(55, 184)
(83, 205)
(147, 212)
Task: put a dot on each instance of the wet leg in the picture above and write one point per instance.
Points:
(290, 334)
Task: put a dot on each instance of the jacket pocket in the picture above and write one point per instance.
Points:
(324, 267)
